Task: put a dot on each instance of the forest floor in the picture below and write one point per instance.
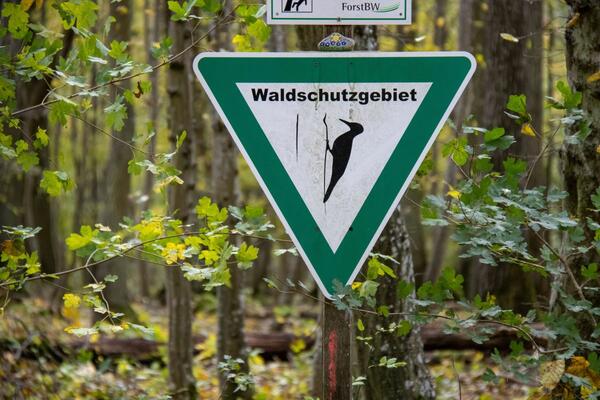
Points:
(38, 360)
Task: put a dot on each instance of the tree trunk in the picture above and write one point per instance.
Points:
(411, 381)
(36, 208)
(513, 68)
(230, 311)
(581, 162)
(440, 33)
(117, 182)
(332, 377)
(152, 34)
(181, 200)
(461, 111)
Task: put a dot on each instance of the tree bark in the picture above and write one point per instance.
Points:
(153, 30)
(181, 201)
(117, 182)
(230, 311)
(411, 381)
(332, 377)
(581, 162)
(35, 208)
(462, 110)
(513, 68)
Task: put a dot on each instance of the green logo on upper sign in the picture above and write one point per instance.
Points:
(334, 140)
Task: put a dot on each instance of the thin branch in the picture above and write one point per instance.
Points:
(124, 253)
(539, 156)
(131, 76)
(435, 316)
(569, 272)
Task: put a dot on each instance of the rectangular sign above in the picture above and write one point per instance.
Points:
(339, 12)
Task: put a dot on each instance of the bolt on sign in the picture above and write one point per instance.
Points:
(334, 139)
(339, 12)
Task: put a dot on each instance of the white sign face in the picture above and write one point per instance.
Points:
(339, 12)
(299, 119)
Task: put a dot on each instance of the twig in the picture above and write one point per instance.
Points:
(569, 272)
(539, 156)
(132, 76)
(435, 316)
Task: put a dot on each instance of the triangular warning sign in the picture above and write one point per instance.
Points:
(334, 139)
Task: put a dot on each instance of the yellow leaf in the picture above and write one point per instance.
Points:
(71, 300)
(510, 38)
(480, 59)
(598, 149)
(578, 366)
(551, 372)
(72, 314)
(26, 4)
(297, 345)
(208, 348)
(440, 22)
(573, 21)
(173, 252)
(256, 359)
(356, 285)
(594, 77)
(455, 194)
(527, 129)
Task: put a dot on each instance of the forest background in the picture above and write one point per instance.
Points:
(140, 259)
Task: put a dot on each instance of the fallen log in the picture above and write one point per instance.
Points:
(272, 345)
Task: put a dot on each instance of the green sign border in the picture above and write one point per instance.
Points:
(449, 73)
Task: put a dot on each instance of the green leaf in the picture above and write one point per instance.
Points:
(28, 159)
(211, 6)
(55, 182)
(594, 361)
(41, 139)
(80, 13)
(206, 208)
(181, 139)
(245, 255)
(117, 51)
(377, 268)
(404, 289)
(60, 110)
(457, 149)
(163, 48)
(17, 20)
(115, 114)
(570, 99)
(590, 272)
(360, 325)
(181, 11)
(259, 30)
(596, 199)
(518, 104)
(76, 241)
(493, 134)
(403, 328)
(7, 88)
(368, 288)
